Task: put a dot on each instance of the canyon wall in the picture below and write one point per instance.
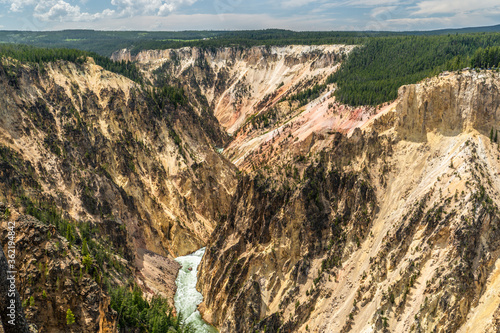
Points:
(237, 83)
(317, 216)
(391, 225)
(106, 161)
(102, 149)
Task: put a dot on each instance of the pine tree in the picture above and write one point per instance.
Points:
(70, 317)
(87, 262)
(85, 249)
(496, 136)
(491, 134)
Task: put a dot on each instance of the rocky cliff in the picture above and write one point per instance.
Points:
(317, 216)
(236, 83)
(449, 104)
(390, 225)
(129, 169)
(51, 280)
(104, 149)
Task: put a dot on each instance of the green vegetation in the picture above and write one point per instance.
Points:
(167, 95)
(136, 312)
(102, 42)
(87, 262)
(307, 95)
(85, 248)
(269, 37)
(92, 249)
(70, 317)
(35, 55)
(373, 73)
(32, 54)
(486, 58)
(263, 120)
(48, 213)
(106, 42)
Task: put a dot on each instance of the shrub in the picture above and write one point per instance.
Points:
(70, 317)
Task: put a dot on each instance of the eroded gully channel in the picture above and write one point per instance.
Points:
(187, 298)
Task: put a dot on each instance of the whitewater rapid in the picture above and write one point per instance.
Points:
(187, 298)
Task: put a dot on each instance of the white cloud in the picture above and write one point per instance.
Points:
(375, 3)
(206, 22)
(427, 14)
(379, 11)
(295, 14)
(296, 3)
(482, 17)
(59, 10)
(436, 14)
(18, 5)
(62, 11)
(346, 3)
(430, 7)
(148, 7)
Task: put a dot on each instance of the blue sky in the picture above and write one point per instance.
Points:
(246, 14)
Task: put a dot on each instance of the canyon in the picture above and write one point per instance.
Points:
(316, 216)
(389, 225)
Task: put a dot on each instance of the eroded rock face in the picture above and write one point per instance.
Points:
(237, 83)
(51, 279)
(94, 148)
(393, 231)
(449, 104)
(266, 249)
(103, 150)
(343, 219)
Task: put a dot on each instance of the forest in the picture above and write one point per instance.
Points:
(101, 42)
(36, 55)
(106, 42)
(486, 58)
(137, 314)
(373, 73)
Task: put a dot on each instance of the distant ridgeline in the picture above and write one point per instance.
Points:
(371, 75)
(36, 55)
(106, 42)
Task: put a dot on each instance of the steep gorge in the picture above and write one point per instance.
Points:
(317, 216)
(128, 172)
(391, 226)
(237, 83)
(110, 164)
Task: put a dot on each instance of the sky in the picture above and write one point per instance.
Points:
(296, 15)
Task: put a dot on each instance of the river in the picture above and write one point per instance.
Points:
(187, 298)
